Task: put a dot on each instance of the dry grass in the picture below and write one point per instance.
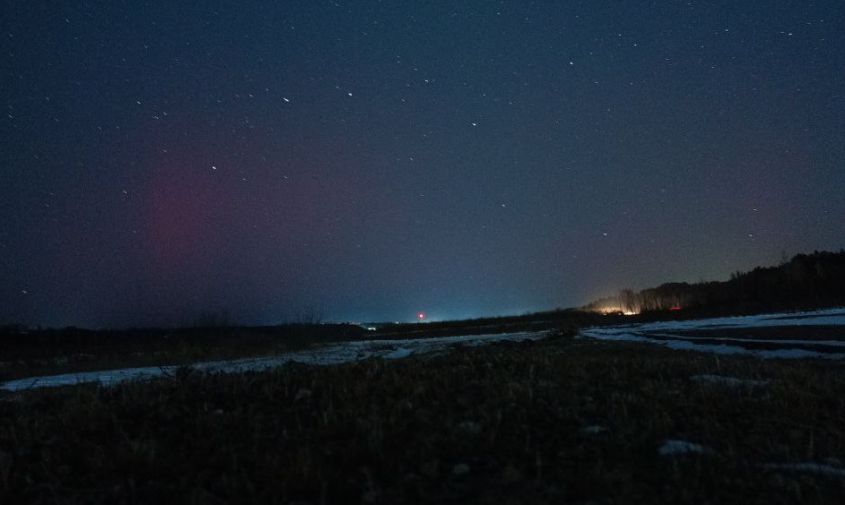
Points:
(503, 424)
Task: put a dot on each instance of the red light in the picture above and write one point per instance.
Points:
(421, 316)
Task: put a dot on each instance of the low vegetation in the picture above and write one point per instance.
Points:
(558, 421)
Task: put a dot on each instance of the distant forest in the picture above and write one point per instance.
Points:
(806, 281)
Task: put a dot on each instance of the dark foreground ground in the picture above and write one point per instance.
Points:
(558, 421)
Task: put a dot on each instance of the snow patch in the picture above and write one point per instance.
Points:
(808, 467)
(828, 317)
(398, 354)
(728, 381)
(674, 447)
(664, 333)
(724, 349)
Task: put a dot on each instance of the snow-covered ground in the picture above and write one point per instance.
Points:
(673, 334)
(331, 354)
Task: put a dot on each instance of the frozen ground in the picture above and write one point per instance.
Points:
(331, 354)
(704, 334)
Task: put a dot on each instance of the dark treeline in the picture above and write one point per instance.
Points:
(806, 281)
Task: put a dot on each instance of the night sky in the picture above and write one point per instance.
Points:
(366, 160)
